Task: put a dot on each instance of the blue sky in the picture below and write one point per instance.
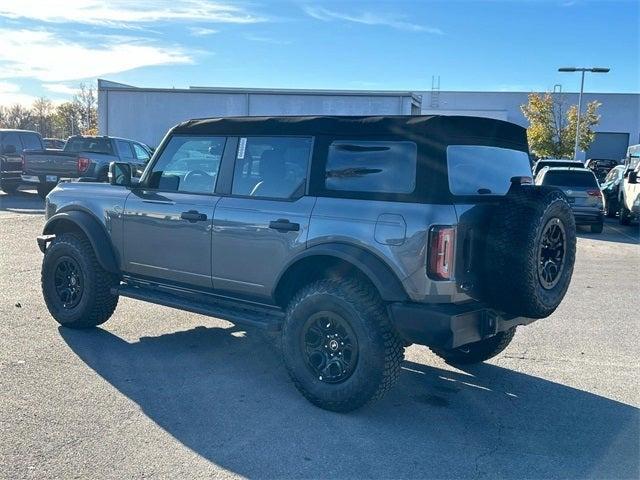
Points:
(49, 47)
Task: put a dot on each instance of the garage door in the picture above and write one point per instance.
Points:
(609, 145)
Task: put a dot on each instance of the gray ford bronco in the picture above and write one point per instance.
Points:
(347, 237)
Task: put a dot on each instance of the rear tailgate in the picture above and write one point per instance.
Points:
(51, 162)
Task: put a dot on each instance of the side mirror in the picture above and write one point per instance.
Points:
(120, 174)
(9, 149)
(633, 177)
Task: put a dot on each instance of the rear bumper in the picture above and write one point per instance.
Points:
(588, 216)
(449, 325)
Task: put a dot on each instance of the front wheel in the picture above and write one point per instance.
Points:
(9, 187)
(339, 346)
(625, 215)
(76, 289)
(476, 352)
(597, 228)
(44, 189)
(610, 208)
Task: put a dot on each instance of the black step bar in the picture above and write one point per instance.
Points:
(241, 313)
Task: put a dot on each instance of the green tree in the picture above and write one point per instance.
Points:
(85, 103)
(65, 121)
(552, 126)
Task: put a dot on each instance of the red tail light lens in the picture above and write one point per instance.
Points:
(441, 252)
(594, 193)
(83, 164)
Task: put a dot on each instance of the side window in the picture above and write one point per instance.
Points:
(141, 153)
(31, 141)
(374, 166)
(11, 138)
(124, 150)
(188, 164)
(271, 167)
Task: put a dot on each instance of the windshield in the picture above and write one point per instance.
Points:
(568, 178)
(89, 144)
(477, 169)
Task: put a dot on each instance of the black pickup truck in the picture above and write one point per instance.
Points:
(12, 145)
(82, 156)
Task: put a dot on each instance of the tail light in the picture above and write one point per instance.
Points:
(594, 193)
(83, 164)
(441, 252)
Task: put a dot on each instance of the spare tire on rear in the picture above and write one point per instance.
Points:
(529, 252)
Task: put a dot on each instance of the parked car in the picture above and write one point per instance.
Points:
(582, 190)
(629, 198)
(555, 163)
(12, 145)
(82, 156)
(601, 167)
(53, 143)
(348, 237)
(610, 188)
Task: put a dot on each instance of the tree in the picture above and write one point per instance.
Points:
(552, 127)
(18, 116)
(42, 111)
(65, 120)
(86, 105)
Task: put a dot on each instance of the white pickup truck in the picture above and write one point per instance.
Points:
(630, 188)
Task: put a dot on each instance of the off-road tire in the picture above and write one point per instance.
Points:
(510, 280)
(9, 187)
(380, 351)
(43, 190)
(476, 352)
(625, 215)
(96, 303)
(597, 228)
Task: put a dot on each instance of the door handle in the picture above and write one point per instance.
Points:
(284, 225)
(193, 216)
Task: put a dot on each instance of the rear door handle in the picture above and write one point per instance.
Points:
(284, 225)
(193, 216)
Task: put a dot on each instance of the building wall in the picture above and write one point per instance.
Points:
(620, 112)
(147, 114)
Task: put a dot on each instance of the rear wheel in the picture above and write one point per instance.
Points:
(477, 352)
(44, 189)
(9, 187)
(76, 289)
(338, 345)
(597, 228)
(625, 215)
(611, 208)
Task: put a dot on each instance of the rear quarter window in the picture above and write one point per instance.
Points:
(374, 166)
(475, 169)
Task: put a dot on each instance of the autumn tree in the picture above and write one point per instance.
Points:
(42, 112)
(85, 103)
(552, 125)
(18, 116)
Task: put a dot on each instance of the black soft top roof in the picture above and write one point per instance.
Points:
(441, 128)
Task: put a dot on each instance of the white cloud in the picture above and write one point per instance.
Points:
(262, 39)
(60, 88)
(369, 18)
(47, 57)
(201, 31)
(10, 94)
(125, 12)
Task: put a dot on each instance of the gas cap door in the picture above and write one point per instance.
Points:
(391, 229)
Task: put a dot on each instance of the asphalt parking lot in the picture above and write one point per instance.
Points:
(162, 393)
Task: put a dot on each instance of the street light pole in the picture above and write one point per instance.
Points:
(583, 70)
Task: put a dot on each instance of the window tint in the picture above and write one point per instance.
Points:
(141, 153)
(271, 167)
(124, 150)
(379, 166)
(475, 169)
(31, 141)
(11, 138)
(188, 164)
(568, 178)
(89, 144)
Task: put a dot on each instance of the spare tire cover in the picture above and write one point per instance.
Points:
(530, 249)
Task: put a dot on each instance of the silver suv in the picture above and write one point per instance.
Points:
(349, 238)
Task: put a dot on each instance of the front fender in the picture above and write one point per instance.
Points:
(93, 230)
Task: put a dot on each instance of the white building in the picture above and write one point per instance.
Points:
(145, 114)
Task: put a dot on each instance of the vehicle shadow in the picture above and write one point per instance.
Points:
(613, 232)
(22, 202)
(224, 394)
